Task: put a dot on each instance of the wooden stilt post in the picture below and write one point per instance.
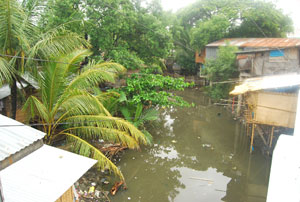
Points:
(247, 129)
(252, 137)
(269, 135)
(271, 139)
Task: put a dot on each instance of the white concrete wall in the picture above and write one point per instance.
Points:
(284, 183)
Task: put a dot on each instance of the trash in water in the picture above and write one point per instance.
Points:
(116, 187)
(97, 193)
(91, 189)
(206, 145)
(174, 141)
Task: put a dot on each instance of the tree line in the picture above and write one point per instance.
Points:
(71, 47)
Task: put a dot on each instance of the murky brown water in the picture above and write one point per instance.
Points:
(199, 154)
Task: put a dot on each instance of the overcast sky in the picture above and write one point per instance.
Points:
(290, 7)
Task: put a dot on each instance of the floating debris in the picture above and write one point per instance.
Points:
(116, 187)
(202, 179)
(174, 141)
(206, 145)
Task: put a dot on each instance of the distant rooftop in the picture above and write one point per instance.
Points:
(257, 42)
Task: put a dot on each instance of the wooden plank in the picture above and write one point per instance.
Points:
(280, 101)
(252, 137)
(274, 117)
(261, 134)
(272, 108)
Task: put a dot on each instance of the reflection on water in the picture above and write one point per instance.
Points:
(199, 154)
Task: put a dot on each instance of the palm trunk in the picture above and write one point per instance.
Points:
(14, 99)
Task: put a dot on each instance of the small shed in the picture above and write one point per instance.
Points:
(33, 172)
(270, 100)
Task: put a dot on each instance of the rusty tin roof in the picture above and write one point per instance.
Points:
(257, 42)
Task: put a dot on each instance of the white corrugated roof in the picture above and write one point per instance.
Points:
(43, 176)
(5, 90)
(15, 136)
(267, 82)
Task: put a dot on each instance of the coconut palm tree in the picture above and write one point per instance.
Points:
(67, 107)
(20, 38)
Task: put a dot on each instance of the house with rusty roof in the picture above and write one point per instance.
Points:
(261, 56)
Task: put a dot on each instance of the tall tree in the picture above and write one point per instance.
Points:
(19, 37)
(210, 20)
(121, 30)
(66, 105)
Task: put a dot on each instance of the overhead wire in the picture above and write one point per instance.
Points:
(61, 123)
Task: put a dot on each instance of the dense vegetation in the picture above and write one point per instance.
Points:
(206, 21)
(71, 47)
(220, 71)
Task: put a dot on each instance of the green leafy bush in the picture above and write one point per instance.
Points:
(154, 90)
(221, 69)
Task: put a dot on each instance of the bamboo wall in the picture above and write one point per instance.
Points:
(272, 108)
(68, 196)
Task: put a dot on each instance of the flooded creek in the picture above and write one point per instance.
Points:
(199, 154)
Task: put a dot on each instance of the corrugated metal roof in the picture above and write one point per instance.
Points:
(43, 176)
(267, 82)
(5, 90)
(257, 42)
(15, 136)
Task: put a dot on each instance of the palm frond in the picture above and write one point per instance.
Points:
(36, 108)
(138, 111)
(15, 28)
(126, 113)
(53, 83)
(91, 78)
(5, 71)
(108, 134)
(108, 66)
(56, 42)
(110, 122)
(84, 148)
(83, 103)
(109, 100)
(73, 59)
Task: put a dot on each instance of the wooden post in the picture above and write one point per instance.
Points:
(239, 103)
(252, 137)
(269, 135)
(232, 107)
(248, 129)
(271, 139)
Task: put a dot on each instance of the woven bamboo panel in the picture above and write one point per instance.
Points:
(68, 196)
(271, 108)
